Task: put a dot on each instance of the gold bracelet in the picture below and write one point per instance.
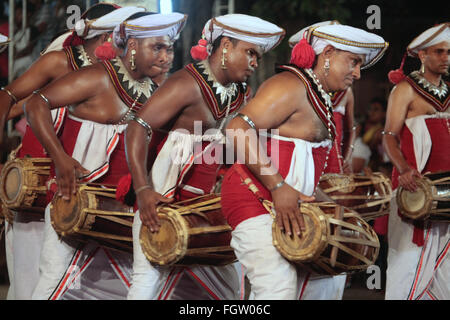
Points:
(142, 188)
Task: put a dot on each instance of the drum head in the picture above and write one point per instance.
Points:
(169, 244)
(11, 183)
(415, 205)
(310, 244)
(66, 216)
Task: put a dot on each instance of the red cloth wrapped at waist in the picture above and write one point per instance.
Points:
(239, 203)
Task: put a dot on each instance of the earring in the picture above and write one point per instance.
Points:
(224, 51)
(133, 60)
(326, 66)
(422, 69)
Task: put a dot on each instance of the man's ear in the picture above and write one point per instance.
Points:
(328, 51)
(226, 43)
(422, 55)
(132, 43)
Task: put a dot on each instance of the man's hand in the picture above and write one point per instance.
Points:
(68, 170)
(406, 179)
(147, 201)
(347, 167)
(286, 204)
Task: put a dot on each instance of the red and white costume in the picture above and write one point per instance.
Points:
(301, 164)
(418, 259)
(176, 173)
(271, 276)
(28, 228)
(100, 149)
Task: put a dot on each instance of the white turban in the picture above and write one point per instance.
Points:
(153, 25)
(88, 29)
(246, 28)
(349, 39)
(294, 39)
(428, 38)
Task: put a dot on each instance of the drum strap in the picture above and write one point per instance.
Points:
(268, 205)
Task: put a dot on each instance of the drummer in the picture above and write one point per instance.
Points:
(339, 159)
(66, 54)
(90, 146)
(416, 138)
(296, 104)
(213, 89)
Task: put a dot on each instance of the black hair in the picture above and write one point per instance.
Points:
(140, 14)
(99, 10)
(216, 43)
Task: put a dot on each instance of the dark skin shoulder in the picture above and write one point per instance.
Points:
(46, 69)
(91, 96)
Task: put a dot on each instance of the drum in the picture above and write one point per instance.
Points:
(430, 201)
(94, 213)
(193, 232)
(23, 184)
(336, 240)
(369, 195)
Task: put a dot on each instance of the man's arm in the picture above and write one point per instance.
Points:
(75, 87)
(274, 103)
(163, 106)
(44, 70)
(398, 105)
(349, 132)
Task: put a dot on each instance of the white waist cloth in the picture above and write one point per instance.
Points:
(94, 146)
(179, 152)
(421, 136)
(301, 175)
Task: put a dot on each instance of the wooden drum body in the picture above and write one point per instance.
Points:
(369, 195)
(430, 201)
(23, 184)
(192, 232)
(94, 213)
(336, 240)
